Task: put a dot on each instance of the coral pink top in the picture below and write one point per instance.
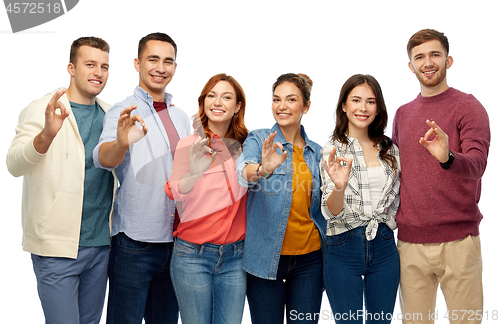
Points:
(214, 210)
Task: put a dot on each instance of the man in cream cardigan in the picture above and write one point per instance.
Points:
(66, 200)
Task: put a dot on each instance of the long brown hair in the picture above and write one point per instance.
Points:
(237, 129)
(377, 128)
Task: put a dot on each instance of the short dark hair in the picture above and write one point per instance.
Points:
(158, 37)
(94, 42)
(426, 35)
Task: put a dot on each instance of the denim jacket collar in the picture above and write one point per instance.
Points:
(281, 138)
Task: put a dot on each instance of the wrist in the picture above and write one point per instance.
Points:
(446, 165)
(259, 174)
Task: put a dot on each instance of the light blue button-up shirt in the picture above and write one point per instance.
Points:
(142, 210)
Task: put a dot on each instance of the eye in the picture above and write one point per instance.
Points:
(227, 98)
(372, 102)
(210, 96)
(169, 62)
(90, 64)
(105, 68)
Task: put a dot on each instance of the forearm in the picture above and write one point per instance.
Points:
(186, 183)
(42, 142)
(111, 154)
(335, 202)
(250, 172)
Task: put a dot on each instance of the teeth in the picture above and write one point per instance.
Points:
(96, 82)
(217, 110)
(158, 78)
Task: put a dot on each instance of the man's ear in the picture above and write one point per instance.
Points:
(137, 65)
(411, 67)
(449, 61)
(71, 69)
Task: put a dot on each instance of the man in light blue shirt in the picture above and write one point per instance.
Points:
(138, 136)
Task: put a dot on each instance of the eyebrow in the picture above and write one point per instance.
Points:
(226, 92)
(287, 96)
(95, 62)
(431, 52)
(158, 57)
(362, 98)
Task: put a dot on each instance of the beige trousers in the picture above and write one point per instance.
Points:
(456, 266)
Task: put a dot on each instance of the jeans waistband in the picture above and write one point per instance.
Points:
(222, 248)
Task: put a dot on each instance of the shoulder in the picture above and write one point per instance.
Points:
(262, 134)
(105, 106)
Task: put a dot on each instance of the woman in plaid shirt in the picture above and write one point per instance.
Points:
(360, 173)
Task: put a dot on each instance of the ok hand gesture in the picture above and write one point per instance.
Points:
(438, 146)
(271, 159)
(338, 173)
(127, 132)
(200, 157)
(54, 120)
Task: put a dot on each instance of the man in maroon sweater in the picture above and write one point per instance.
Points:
(443, 136)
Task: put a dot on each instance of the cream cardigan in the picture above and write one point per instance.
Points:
(53, 182)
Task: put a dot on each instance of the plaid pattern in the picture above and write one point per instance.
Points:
(358, 209)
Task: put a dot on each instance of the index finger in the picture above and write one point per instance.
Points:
(128, 110)
(57, 95)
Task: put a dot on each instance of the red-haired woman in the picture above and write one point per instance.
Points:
(206, 271)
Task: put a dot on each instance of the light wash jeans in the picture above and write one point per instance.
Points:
(72, 291)
(209, 282)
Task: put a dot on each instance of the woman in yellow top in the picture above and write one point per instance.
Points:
(285, 226)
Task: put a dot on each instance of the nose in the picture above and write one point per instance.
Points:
(97, 71)
(218, 101)
(428, 61)
(160, 68)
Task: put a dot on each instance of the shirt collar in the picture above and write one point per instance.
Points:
(146, 97)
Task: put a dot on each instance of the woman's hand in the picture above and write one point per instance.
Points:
(271, 159)
(338, 174)
(200, 157)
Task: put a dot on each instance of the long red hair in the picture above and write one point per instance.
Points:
(237, 130)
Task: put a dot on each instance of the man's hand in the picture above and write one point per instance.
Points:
(53, 123)
(127, 132)
(437, 146)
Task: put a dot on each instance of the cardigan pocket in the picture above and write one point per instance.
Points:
(63, 218)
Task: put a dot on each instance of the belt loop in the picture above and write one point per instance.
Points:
(202, 248)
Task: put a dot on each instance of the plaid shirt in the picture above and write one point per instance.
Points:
(357, 210)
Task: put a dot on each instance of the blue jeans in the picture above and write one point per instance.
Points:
(299, 287)
(139, 283)
(209, 282)
(355, 267)
(72, 291)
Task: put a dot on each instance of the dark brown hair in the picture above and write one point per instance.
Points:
(301, 81)
(377, 128)
(426, 35)
(94, 42)
(158, 37)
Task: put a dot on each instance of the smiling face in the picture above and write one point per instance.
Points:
(361, 109)
(429, 62)
(89, 75)
(288, 105)
(156, 67)
(220, 105)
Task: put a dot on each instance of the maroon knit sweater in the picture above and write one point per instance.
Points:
(439, 205)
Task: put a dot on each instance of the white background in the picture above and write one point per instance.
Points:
(254, 41)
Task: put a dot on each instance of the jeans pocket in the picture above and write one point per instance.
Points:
(338, 239)
(126, 243)
(386, 232)
(182, 249)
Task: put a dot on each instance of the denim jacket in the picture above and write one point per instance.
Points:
(269, 202)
